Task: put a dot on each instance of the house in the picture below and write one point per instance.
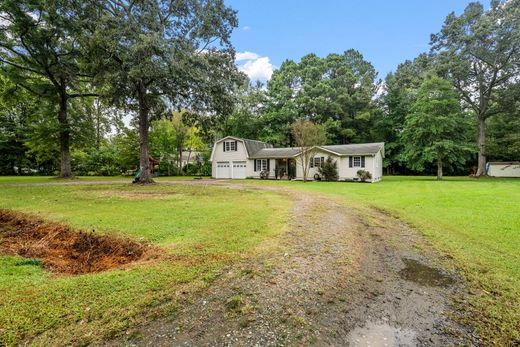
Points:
(189, 157)
(236, 158)
(503, 168)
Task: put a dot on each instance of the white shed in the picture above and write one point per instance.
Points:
(503, 168)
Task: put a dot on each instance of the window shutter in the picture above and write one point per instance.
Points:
(224, 145)
(235, 145)
(255, 165)
(322, 161)
(363, 161)
(312, 162)
(350, 161)
(268, 165)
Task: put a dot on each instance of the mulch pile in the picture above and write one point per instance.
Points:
(62, 249)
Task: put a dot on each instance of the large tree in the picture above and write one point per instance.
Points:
(400, 92)
(41, 49)
(480, 51)
(434, 131)
(158, 51)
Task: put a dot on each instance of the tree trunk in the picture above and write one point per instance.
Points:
(65, 169)
(144, 157)
(439, 169)
(180, 163)
(98, 125)
(481, 171)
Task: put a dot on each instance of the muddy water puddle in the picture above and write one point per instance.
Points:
(379, 334)
(425, 275)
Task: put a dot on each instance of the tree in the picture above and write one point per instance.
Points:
(307, 136)
(329, 169)
(162, 142)
(148, 51)
(40, 49)
(434, 131)
(400, 91)
(180, 131)
(480, 52)
(337, 90)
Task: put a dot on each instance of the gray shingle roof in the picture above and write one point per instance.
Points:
(253, 146)
(275, 153)
(356, 149)
(261, 150)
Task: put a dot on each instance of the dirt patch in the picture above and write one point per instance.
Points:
(425, 275)
(64, 250)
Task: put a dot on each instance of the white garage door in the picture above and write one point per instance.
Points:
(239, 169)
(223, 169)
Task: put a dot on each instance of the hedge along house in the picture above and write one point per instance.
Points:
(236, 158)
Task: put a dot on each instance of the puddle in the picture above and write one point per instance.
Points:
(380, 335)
(424, 275)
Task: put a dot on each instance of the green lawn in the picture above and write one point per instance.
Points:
(51, 179)
(475, 221)
(212, 224)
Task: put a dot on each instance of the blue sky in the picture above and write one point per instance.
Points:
(385, 32)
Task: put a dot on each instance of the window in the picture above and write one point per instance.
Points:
(317, 161)
(356, 161)
(261, 165)
(230, 146)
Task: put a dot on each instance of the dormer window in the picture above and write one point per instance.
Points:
(230, 146)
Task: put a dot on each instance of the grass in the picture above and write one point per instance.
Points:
(53, 179)
(215, 225)
(474, 221)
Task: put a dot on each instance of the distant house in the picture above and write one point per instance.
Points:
(237, 158)
(189, 157)
(503, 168)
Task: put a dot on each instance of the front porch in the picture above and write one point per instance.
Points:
(285, 169)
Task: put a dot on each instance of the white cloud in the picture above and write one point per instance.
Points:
(246, 28)
(254, 66)
(246, 56)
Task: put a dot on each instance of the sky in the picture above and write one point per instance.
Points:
(386, 32)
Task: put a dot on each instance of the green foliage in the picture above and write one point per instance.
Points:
(400, 93)
(307, 136)
(434, 131)
(337, 89)
(329, 170)
(478, 51)
(364, 175)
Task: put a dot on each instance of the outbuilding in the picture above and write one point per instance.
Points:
(503, 168)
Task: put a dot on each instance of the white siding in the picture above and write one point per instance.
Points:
(373, 164)
(229, 156)
(504, 169)
(256, 174)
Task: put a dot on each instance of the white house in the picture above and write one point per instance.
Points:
(503, 168)
(236, 158)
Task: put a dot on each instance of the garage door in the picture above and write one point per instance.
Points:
(223, 170)
(239, 169)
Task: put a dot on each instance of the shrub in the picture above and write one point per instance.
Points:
(364, 175)
(264, 174)
(329, 170)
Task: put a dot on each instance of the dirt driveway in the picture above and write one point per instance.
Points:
(338, 277)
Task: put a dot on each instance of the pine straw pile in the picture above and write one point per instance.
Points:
(64, 250)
